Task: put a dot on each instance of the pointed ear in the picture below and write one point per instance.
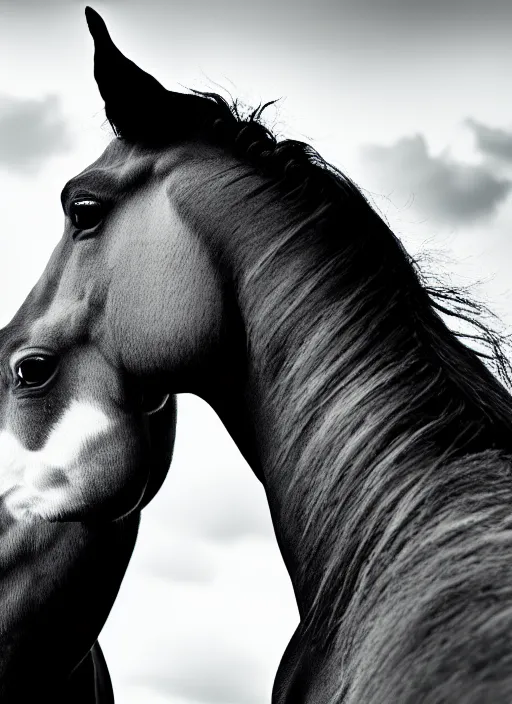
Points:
(137, 106)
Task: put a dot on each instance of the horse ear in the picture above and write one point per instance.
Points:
(129, 93)
(137, 106)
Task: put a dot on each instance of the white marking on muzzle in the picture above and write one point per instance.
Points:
(26, 475)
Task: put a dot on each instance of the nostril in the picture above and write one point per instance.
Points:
(35, 370)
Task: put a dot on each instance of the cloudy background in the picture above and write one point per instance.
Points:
(412, 99)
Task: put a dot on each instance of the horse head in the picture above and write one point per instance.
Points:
(75, 430)
(127, 305)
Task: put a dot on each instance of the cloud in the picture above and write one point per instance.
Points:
(205, 610)
(168, 556)
(224, 512)
(31, 131)
(215, 643)
(445, 190)
(492, 141)
(226, 505)
(214, 497)
(213, 674)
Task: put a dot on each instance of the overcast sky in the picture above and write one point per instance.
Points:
(411, 99)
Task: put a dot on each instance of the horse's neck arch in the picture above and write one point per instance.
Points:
(375, 432)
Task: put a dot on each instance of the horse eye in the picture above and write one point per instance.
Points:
(35, 371)
(85, 213)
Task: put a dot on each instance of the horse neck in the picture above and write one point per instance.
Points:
(351, 401)
(353, 409)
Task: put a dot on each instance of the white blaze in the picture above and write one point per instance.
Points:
(22, 470)
(79, 423)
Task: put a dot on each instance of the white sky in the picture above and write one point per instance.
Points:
(384, 91)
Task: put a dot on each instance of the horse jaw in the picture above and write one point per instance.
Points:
(51, 483)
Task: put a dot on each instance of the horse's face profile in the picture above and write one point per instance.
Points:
(95, 347)
(74, 412)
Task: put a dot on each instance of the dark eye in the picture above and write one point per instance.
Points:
(85, 213)
(35, 371)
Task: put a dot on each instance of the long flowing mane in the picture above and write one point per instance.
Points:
(398, 434)
(299, 174)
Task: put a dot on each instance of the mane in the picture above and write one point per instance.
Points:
(301, 177)
(400, 437)
(306, 180)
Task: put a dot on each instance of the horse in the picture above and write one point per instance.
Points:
(202, 255)
(59, 580)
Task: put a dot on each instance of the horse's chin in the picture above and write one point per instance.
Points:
(105, 489)
(117, 475)
(25, 504)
